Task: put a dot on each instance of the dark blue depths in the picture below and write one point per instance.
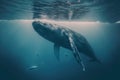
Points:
(22, 48)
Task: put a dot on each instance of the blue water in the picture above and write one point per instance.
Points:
(22, 48)
(24, 55)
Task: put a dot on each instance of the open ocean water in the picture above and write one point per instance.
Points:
(24, 55)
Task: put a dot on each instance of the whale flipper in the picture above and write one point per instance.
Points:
(75, 50)
(57, 51)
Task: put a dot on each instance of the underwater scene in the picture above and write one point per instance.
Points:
(59, 40)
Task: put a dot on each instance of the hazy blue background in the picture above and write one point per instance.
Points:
(21, 47)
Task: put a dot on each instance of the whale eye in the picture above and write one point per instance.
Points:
(50, 25)
(44, 24)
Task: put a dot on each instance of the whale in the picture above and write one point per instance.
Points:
(66, 38)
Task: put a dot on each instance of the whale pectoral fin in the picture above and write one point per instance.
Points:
(75, 51)
(57, 51)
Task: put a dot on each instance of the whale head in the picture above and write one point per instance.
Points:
(42, 27)
(46, 30)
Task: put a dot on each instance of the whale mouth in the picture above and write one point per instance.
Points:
(37, 25)
(40, 26)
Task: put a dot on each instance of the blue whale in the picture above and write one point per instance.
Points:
(67, 38)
